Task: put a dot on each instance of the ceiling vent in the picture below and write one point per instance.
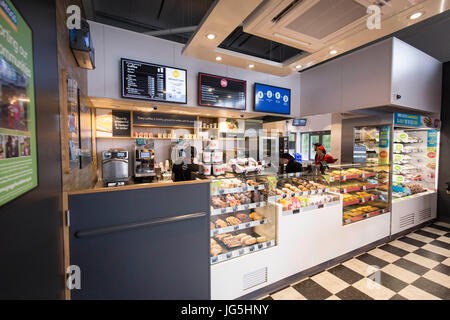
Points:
(326, 17)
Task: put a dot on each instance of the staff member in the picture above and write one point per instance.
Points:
(323, 156)
(182, 169)
(291, 164)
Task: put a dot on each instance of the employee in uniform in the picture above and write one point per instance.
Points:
(291, 164)
(182, 168)
(323, 156)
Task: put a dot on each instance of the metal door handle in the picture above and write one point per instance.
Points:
(135, 225)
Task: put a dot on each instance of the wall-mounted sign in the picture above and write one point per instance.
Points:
(412, 120)
(121, 123)
(18, 161)
(218, 91)
(147, 81)
(359, 153)
(163, 120)
(299, 122)
(272, 99)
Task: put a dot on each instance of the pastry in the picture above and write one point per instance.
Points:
(212, 226)
(233, 220)
(241, 235)
(221, 224)
(243, 239)
(250, 241)
(261, 239)
(243, 217)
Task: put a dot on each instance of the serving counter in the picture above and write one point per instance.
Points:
(146, 241)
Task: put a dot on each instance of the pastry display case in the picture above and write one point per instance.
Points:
(414, 162)
(365, 189)
(301, 192)
(242, 221)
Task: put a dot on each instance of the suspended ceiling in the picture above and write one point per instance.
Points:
(278, 36)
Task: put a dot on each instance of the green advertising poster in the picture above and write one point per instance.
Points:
(18, 160)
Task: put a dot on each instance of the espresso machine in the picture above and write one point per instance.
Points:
(144, 162)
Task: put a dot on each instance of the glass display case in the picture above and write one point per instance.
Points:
(242, 221)
(301, 192)
(415, 157)
(365, 189)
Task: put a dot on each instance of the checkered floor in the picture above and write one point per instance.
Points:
(413, 267)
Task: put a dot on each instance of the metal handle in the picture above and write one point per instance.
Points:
(118, 160)
(135, 225)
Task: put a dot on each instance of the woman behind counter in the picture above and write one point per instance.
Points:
(291, 165)
(182, 168)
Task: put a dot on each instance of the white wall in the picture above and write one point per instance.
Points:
(111, 44)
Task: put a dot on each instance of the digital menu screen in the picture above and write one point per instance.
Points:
(141, 80)
(272, 99)
(217, 91)
(299, 122)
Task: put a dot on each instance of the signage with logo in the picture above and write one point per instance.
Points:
(218, 91)
(147, 81)
(412, 120)
(359, 153)
(121, 123)
(18, 149)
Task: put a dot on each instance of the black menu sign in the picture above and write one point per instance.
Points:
(147, 81)
(217, 91)
(121, 124)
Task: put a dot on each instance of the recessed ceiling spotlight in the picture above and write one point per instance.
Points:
(219, 58)
(333, 52)
(299, 66)
(415, 15)
(251, 65)
(211, 36)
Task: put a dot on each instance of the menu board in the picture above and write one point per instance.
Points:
(272, 99)
(141, 80)
(217, 91)
(18, 149)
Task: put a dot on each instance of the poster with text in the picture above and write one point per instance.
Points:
(18, 161)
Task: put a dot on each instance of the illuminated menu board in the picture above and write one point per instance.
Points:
(146, 81)
(217, 91)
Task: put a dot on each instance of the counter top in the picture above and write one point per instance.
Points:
(100, 188)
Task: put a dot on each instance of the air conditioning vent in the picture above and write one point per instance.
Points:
(285, 11)
(424, 214)
(327, 17)
(255, 278)
(406, 220)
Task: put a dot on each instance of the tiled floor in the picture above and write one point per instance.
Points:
(413, 267)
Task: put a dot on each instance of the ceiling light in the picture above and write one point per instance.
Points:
(334, 51)
(415, 15)
(219, 58)
(211, 36)
(251, 65)
(299, 66)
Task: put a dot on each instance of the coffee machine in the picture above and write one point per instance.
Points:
(144, 161)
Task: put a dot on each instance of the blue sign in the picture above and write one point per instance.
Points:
(384, 137)
(359, 153)
(272, 99)
(405, 119)
(8, 14)
(299, 122)
(432, 138)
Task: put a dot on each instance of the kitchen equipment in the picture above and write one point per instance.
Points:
(115, 166)
(144, 162)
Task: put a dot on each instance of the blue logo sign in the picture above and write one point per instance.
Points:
(405, 119)
(9, 14)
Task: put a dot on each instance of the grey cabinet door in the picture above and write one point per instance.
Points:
(127, 248)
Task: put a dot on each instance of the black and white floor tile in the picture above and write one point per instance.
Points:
(412, 267)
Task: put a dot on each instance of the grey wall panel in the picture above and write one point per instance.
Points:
(31, 257)
(168, 260)
(444, 168)
(417, 77)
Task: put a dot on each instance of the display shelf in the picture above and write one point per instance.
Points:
(310, 208)
(242, 226)
(296, 194)
(242, 207)
(237, 190)
(242, 251)
(364, 216)
(359, 188)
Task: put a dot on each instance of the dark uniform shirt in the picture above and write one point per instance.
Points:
(293, 166)
(183, 171)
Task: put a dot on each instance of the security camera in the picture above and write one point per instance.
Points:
(242, 115)
(155, 107)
